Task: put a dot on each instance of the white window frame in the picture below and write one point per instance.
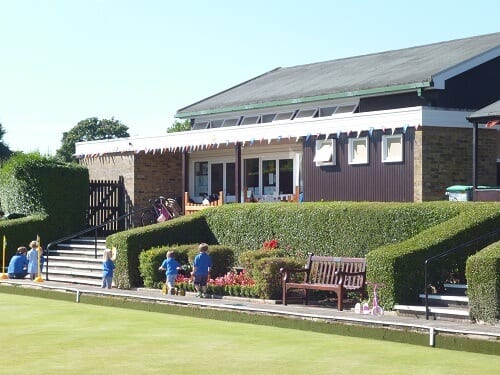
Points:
(386, 141)
(355, 157)
(325, 153)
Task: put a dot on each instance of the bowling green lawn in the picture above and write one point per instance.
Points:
(44, 336)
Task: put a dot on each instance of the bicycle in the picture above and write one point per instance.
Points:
(158, 212)
(376, 309)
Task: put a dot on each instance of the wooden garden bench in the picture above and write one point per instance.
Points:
(332, 274)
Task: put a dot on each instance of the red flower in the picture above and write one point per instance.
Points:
(271, 244)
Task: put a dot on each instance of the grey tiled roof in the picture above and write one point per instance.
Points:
(410, 66)
(489, 112)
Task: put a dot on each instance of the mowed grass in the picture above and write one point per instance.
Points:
(42, 336)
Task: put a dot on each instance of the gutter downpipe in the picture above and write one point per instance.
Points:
(474, 159)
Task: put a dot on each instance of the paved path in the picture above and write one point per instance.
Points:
(388, 320)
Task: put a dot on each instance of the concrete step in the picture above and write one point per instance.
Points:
(75, 272)
(75, 280)
(76, 262)
(446, 313)
(83, 253)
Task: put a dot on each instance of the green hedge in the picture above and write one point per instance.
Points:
(150, 260)
(324, 228)
(483, 277)
(400, 266)
(53, 195)
(129, 244)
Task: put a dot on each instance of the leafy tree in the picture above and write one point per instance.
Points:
(5, 152)
(179, 126)
(91, 129)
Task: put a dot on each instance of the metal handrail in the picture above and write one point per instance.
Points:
(445, 253)
(78, 234)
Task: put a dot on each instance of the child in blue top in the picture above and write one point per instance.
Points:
(33, 267)
(201, 270)
(18, 265)
(107, 268)
(170, 266)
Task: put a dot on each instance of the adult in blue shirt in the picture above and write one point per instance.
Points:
(201, 270)
(18, 265)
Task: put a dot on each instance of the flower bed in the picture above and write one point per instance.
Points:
(233, 283)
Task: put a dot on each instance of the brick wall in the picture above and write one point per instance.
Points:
(157, 174)
(443, 157)
(145, 175)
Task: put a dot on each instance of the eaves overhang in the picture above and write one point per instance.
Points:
(277, 103)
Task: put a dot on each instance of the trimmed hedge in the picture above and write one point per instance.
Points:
(400, 266)
(396, 238)
(324, 228)
(150, 260)
(483, 276)
(129, 244)
(53, 195)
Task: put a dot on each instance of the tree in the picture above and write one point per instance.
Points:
(5, 151)
(91, 129)
(179, 126)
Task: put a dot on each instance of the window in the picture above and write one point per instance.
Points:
(345, 108)
(269, 177)
(230, 122)
(200, 178)
(327, 111)
(283, 116)
(216, 178)
(304, 113)
(325, 152)
(251, 176)
(249, 120)
(286, 176)
(358, 150)
(200, 125)
(216, 123)
(268, 118)
(392, 148)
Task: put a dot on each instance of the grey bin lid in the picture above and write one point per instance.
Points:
(458, 188)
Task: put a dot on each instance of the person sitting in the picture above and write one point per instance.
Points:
(18, 265)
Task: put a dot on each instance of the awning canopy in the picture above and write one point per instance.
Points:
(350, 124)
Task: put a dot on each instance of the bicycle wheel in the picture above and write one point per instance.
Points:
(377, 311)
(148, 217)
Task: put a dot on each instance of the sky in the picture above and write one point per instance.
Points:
(139, 61)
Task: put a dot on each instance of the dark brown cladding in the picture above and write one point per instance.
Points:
(375, 181)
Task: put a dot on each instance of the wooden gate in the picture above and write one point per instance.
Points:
(107, 202)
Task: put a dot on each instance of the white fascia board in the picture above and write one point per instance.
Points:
(292, 130)
(440, 78)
